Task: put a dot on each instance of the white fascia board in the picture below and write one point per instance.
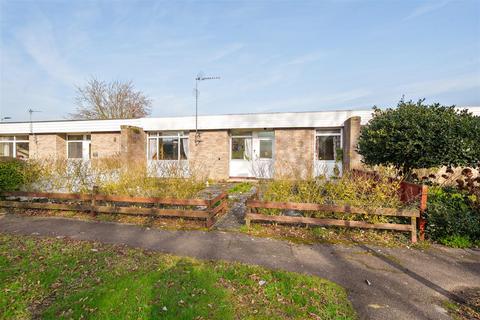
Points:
(67, 126)
(322, 119)
(257, 121)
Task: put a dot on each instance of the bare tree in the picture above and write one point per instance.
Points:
(113, 100)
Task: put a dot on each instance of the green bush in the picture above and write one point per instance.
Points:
(11, 175)
(452, 213)
(418, 135)
(456, 241)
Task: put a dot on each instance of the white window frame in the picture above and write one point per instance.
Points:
(272, 139)
(86, 144)
(244, 136)
(327, 132)
(157, 135)
(14, 142)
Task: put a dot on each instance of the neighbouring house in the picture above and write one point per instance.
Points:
(262, 145)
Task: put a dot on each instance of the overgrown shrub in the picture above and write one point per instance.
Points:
(452, 213)
(110, 175)
(11, 175)
(364, 192)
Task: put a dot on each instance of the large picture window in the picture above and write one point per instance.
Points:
(14, 146)
(78, 146)
(327, 144)
(167, 146)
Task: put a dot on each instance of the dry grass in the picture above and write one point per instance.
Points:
(111, 176)
(164, 223)
(364, 192)
(331, 235)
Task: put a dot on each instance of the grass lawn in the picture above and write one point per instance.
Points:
(57, 278)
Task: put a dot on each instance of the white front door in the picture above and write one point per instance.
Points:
(328, 152)
(252, 154)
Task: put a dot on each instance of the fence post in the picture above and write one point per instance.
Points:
(94, 200)
(414, 229)
(209, 220)
(423, 207)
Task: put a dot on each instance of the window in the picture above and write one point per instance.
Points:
(168, 148)
(266, 144)
(241, 145)
(266, 149)
(167, 145)
(78, 146)
(14, 146)
(327, 144)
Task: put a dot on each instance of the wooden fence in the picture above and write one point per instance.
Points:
(89, 203)
(408, 193)
(253, 205)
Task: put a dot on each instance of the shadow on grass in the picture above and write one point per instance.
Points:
(180, 291)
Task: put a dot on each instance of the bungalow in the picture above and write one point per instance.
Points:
(263, 145)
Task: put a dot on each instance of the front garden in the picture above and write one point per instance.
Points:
(107, 190)
(430, 145)
(416, 143)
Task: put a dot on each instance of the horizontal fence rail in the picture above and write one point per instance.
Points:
(209, 208)
(332, 208)
(408, 192)
(346, 209)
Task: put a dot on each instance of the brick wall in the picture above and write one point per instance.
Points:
(211, 156)
(47, 146)
(351, 131)
(133, 145)
(105, 145)
(294, 151)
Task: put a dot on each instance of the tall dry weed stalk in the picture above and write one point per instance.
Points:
(111, 176)
(364, 192)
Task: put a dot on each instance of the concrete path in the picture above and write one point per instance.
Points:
(234, 219)
(402, 283)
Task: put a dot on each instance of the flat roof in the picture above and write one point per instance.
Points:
(315, 119)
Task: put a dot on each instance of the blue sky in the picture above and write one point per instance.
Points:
(271, 55)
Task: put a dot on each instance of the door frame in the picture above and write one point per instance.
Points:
(254, 153)
(326, 163)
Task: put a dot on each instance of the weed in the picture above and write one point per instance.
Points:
(110, 175)
(457, 241)
(242, 187)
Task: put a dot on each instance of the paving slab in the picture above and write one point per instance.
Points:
(382, 283)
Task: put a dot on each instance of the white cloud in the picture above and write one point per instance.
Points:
(225, 51)
(313, 102)
(38, 41)
(306, 58)
(439, 86)
(427, 8)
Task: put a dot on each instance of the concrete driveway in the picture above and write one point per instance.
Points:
(382, 283)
